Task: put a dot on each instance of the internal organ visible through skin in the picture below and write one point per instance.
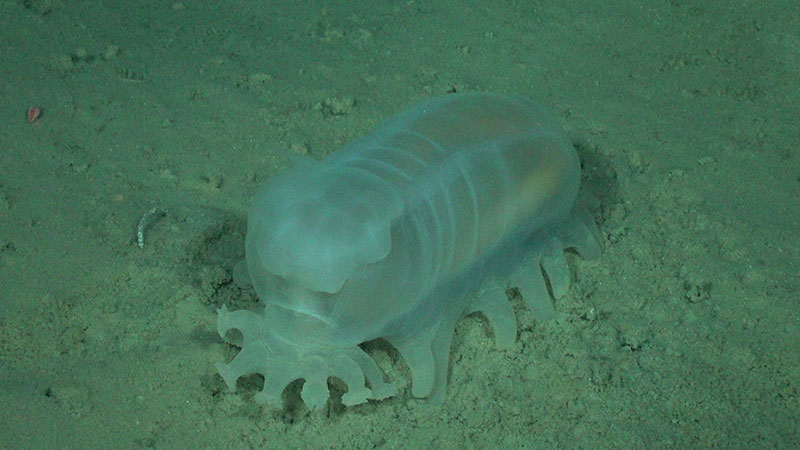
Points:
(504, 165)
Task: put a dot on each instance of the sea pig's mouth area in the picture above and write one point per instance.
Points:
(300, 322)
(289, 299)
(311, 309)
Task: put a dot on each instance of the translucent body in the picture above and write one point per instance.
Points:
(432, 216)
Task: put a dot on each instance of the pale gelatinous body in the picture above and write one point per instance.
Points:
(432, 216)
